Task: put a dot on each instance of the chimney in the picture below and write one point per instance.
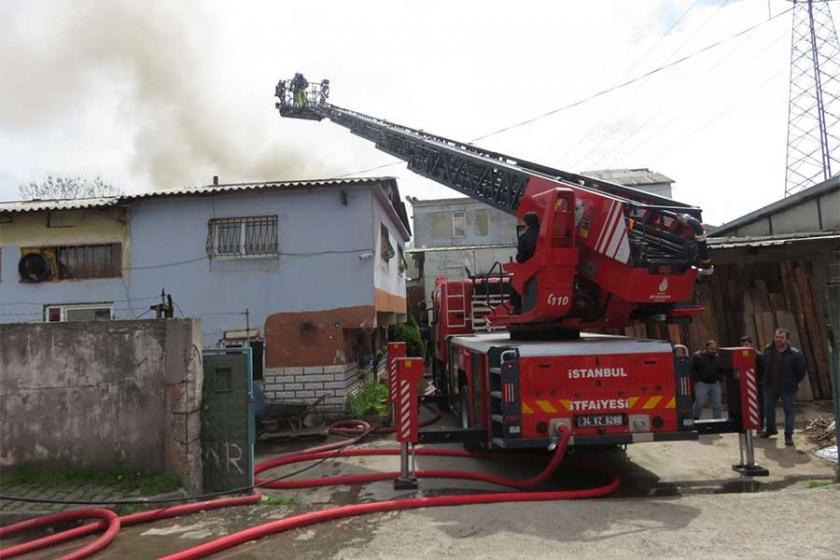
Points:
(215, 180)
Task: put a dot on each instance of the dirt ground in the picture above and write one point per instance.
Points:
(677, 500)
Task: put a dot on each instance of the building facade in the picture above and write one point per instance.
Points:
(311, 272)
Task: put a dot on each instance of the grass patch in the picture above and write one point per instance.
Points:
(820, 483)
(124, 479)
(372, 398)
(279, 500)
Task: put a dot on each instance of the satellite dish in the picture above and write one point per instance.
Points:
(34, 267)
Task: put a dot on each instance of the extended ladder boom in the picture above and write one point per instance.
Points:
(618, 252)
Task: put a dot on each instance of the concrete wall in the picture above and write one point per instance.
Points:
(102, 395)
(501, 227)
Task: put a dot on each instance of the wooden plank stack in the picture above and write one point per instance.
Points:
(755, 299)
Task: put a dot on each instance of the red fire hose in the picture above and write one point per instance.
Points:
(355, 429)
(302, 520)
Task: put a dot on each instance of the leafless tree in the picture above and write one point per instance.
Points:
(54, 186)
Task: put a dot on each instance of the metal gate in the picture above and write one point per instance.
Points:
(227, 419)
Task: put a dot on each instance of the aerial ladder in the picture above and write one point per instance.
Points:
(606, 256)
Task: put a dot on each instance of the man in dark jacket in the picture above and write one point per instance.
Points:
(526, 246)
(784, 370)
(707, 374)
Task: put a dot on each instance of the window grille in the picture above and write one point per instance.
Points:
(242, 237)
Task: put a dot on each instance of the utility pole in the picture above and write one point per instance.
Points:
(813, 138)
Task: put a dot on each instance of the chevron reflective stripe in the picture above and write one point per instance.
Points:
(672, 403)
(404, 404)
(612, 241)
(605, 236)
(546, 406)
(392, 379)
(527, 409)
(632, 401)
(652, 402)
(752, 397)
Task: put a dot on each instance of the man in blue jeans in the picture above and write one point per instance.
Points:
(784, 370)
(707, 374)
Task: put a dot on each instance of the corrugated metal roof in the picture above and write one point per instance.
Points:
(459, 248)
(267, 185)
(78, 203)
(779, 240)
(793, 200)
(57, 204)
(629, 177)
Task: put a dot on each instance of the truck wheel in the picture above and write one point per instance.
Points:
(469, 446)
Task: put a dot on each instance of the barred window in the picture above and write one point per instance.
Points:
(89, 261)
(242, 237)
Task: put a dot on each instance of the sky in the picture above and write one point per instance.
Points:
(155, 94)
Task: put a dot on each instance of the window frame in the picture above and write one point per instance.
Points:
(386, 249)
(456, 215)
(214, 239)
(65, 307)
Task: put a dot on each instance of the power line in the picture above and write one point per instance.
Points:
(597, 94)
(630, 81)
(624, 75)
(611, 151)
(741, 99)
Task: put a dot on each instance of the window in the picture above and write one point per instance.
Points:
(79, 312)
(242, 237)
(89, 261)
(441, 225)
(403, 264)
(482, 228)
(386, 250)
(459, 224)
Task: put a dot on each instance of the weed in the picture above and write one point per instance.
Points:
(372, 398)
(819, 483)
(279, 500)
(122, 479)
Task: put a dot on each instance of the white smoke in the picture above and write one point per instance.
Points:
(157, 72)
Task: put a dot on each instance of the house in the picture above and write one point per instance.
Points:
(454, 237)
(642, 179)
(311, 272)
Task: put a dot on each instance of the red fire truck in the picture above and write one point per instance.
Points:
(606, 256)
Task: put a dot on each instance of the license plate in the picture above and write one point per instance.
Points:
(600, 420)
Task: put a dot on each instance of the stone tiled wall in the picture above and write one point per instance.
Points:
(306, 384)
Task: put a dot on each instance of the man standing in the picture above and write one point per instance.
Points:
(707, 374)
(784, 370)
(747, 341)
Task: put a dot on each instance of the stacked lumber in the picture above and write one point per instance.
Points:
(822, 431)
